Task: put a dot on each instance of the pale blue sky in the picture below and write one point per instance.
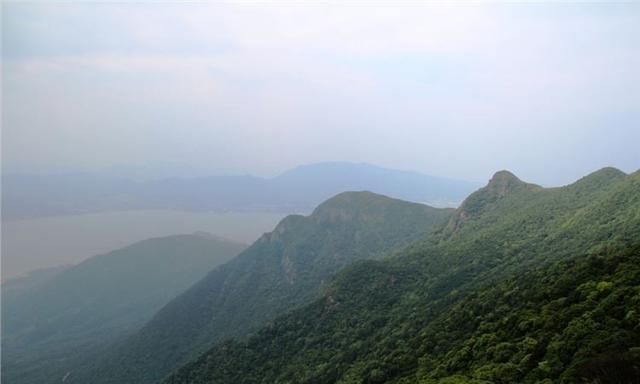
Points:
(547, 91)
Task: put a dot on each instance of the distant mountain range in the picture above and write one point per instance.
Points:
(54, 316)
(297, 190)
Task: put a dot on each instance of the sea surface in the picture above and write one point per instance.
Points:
(29, 244)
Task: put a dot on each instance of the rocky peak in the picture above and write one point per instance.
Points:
(502, 183)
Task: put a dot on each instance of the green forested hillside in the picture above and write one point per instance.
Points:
(48, 326)
(524, 284)
(281, 271)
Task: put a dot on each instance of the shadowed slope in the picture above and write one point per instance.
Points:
(78, 310)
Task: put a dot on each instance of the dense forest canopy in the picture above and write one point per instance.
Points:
(519, 284)
(524, 284)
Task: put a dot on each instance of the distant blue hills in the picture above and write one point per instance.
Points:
(296, 190)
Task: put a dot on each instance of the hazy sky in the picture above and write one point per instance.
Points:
(550, 92)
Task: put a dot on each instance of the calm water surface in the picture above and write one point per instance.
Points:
(46, 242)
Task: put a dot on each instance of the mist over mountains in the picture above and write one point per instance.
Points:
(344, 192)
(296, 190)
(520, 283)
(282, 270)
(55, 316)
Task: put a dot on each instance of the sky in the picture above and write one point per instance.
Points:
(548, 91)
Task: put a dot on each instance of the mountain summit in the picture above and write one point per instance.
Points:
(502, 184)
(599, 178)
(363, 205)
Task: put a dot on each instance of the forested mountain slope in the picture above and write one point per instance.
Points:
(524, 284)
(48, 325)
(281, 271)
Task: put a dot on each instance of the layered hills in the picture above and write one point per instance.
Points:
(52, 318)
(523, 284)
(296, 190)
(281, 271)
(519, 284)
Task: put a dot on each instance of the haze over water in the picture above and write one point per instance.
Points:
(546, 90)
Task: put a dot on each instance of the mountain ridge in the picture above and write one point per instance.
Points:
(280, 271)
(296, 190)
(384, 321)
